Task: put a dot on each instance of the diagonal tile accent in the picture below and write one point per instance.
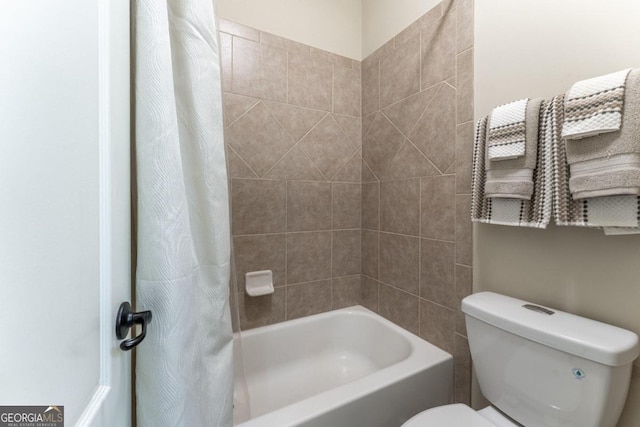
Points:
(297, 120)
(410, 163)
(380, 145)
(435, 133)
(367, 121)
(236, 105)
(327, 146)
(405, 114)
(351, 171)
(367, 175)
(295, 165)
(259, 139)
(237, 168)
(352, 127)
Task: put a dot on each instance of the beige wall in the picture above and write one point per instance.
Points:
(541, 48)
(333, 25)
(383, 19)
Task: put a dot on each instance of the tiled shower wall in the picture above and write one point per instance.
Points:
(293, 139)
(417, 108)
(351, 181)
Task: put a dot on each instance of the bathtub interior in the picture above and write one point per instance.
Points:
(292, 361)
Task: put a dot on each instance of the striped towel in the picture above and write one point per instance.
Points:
(594, 106)
(507, 131)
(609, 211)
(536, 212)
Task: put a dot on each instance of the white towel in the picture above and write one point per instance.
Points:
(536, 212)
(507, 130)
(594, 106)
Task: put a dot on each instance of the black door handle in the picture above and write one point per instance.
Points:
(126, 319)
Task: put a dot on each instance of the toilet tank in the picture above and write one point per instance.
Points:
(543, 367)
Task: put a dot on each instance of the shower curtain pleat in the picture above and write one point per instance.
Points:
(184, 373)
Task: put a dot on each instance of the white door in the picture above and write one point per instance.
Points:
(64, 207)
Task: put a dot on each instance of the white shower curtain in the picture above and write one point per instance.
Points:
(184, 366)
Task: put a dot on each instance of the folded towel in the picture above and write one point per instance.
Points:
(609, 164)
(507, 130)
(618, 175)
(535, 212)
(594, 106)
(513, 178)
(610, 211)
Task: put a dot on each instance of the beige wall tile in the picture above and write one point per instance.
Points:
(295, 165)
(346, 205)
(346, 291)
(332, 58)
(464, 18)
(464, 157)
(400, 206)
(259, 71)
(405, 113)
(370, 205)
(298, 121)
(369, 293)
(259, 139)
(438, 207)
(464, 249)
(438, 50)
(236, 167)
(327, 146)
(370, 89)
(308, 206)
(464, 281)
(399, 307)
(435, 132)
(283, 43)
(462, 371)
(399, 261)
(347, 90)
(306, 299)
(261, 311)
(260, 252)
(381, 144)
(351, 171)
(310, 82)
(437, 325)
(464, 77)
(400, 72)
(437, 272)
(346, 253)
(250, 196)
(308, 256)
(409, 162)
(236, 105)
(379, 53)
(370, 251)
(351, 126)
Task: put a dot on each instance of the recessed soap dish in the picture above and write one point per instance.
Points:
(259, 283)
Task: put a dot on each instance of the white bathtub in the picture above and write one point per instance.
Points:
(343, 368)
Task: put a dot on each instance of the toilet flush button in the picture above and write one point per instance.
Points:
(578, 373)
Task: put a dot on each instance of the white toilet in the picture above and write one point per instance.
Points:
(540, 368)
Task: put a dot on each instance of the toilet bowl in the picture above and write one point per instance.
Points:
(540, 367)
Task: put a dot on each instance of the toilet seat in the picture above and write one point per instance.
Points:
(455, 415)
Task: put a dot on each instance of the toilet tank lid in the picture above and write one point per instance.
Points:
(562, 331)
